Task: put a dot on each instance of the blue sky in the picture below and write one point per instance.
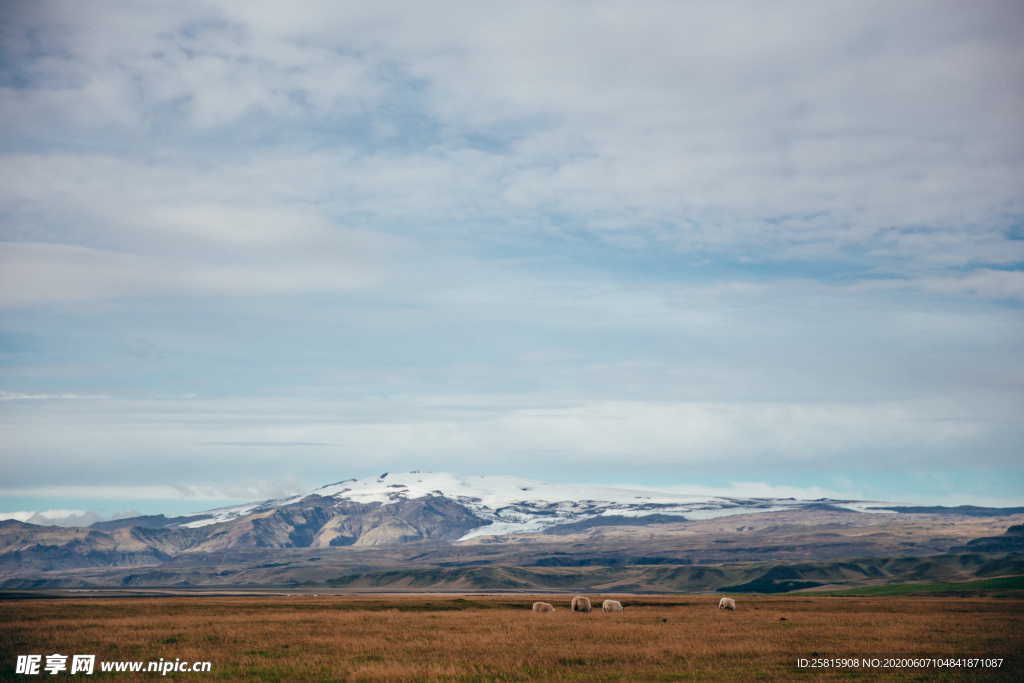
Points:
(247, 249)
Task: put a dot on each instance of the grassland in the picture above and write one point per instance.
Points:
(1004, 586)
(470, 638)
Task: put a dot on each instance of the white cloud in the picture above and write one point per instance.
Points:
(235, 226)
(54, 517)
(760, 489)
(984, 282)
(440, 164)
(200, 443)
(118, 70)
(143, 492)
(16, 396)
(36, 273)
(39, 273)
(703, 120)
(21, 515)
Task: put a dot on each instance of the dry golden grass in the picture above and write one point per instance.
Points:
(498, 638)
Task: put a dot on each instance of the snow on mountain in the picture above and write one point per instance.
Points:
(54, 517)
(514, 505)
(218, 515)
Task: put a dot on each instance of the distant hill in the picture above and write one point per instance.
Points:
(146, 522)
(1012, 541)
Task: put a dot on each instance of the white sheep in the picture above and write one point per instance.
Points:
(580, 603)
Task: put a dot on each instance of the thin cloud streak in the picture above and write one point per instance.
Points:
(267, 444)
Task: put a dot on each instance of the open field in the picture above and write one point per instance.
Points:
(496, 637)
(1004, 586)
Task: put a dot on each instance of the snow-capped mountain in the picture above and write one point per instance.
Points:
(510, 505)
(376, 528)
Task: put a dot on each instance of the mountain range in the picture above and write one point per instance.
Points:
(424, 529)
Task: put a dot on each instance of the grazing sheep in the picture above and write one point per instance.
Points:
(580, 603)
(611, 606)
(727, 603)
(543, 607)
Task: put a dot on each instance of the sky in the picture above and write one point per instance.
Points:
(248, 249)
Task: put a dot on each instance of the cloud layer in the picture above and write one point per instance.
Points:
(680, 238)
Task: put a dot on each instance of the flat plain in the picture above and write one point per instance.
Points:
(295, 637)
